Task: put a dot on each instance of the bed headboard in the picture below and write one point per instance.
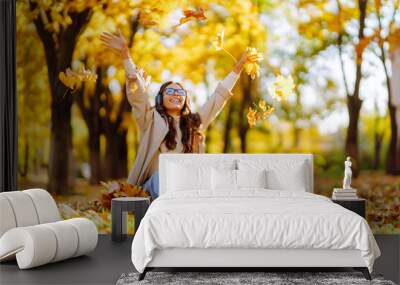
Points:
(213, 159)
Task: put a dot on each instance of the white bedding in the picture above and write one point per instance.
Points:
(251, 218)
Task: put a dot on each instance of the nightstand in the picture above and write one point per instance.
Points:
(119, 208)
(357, 205)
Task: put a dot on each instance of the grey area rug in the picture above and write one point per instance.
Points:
(229, 278)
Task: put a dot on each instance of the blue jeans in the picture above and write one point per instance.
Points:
(152, 185)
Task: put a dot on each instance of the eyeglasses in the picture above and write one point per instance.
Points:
(171, 91)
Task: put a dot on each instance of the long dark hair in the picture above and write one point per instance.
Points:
(189, 122)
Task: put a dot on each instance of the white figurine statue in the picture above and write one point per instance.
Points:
(347, 174)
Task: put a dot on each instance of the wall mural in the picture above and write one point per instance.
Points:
(307, 77)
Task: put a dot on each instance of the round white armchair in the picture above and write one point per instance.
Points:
(31, 230)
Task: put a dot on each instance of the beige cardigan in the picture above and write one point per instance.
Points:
(153, 128)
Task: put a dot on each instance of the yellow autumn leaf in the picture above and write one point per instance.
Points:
(146, 19)
(262, 105)
(282, 88)
(68, 81)
(85, 75)
(251, 117)
(251, 66)
(192, 14)
(254, 115)
(268, 112)
(71, 78)
(219, 41)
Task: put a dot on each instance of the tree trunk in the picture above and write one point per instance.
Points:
(354, 102)
(377, 150)
(208, 140)
(391, 161)
(296, 136)
(91, 116)
(116, 158)
(351, 148)
(24, 171)
(94, 157)
(393, 156)
(59, 49)
(243, 125)
(60, 148)
(228, 127)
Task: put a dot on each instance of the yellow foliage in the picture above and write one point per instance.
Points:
(319, 19)
(251, 117)
(57, 14)
(251, 67)
(394, 39)
(282, 88)
(219, 41)
(189, 53)
(261, 112)
(189, 15)
(115, 189)
(364, 42)
(71, 79)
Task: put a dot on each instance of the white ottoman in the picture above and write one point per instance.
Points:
(31, 230)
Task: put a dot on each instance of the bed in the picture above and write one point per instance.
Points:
(247, 210)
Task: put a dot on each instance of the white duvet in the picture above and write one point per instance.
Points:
(252, 218)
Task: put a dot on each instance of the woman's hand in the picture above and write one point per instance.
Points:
(246, 57)
(116, 42)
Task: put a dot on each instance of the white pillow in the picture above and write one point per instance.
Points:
(251, 178)
(282, 174)
(223, 179)
(182, 177)
(295, 180)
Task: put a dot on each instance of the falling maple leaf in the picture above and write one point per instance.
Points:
(282, 88)
(267, 112)
(251, 117)
(219, 41)
(85, 75)
(68, 81)
(251, 67)
(188, 15)
(262, 105)
(71, 78)
(146, 19)
(254, 115)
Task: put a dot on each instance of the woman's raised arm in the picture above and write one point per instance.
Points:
(135, 78)
(215, 103)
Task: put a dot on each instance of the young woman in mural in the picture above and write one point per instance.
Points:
(170, 125)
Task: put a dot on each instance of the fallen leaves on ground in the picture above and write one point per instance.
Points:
(115, 189)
